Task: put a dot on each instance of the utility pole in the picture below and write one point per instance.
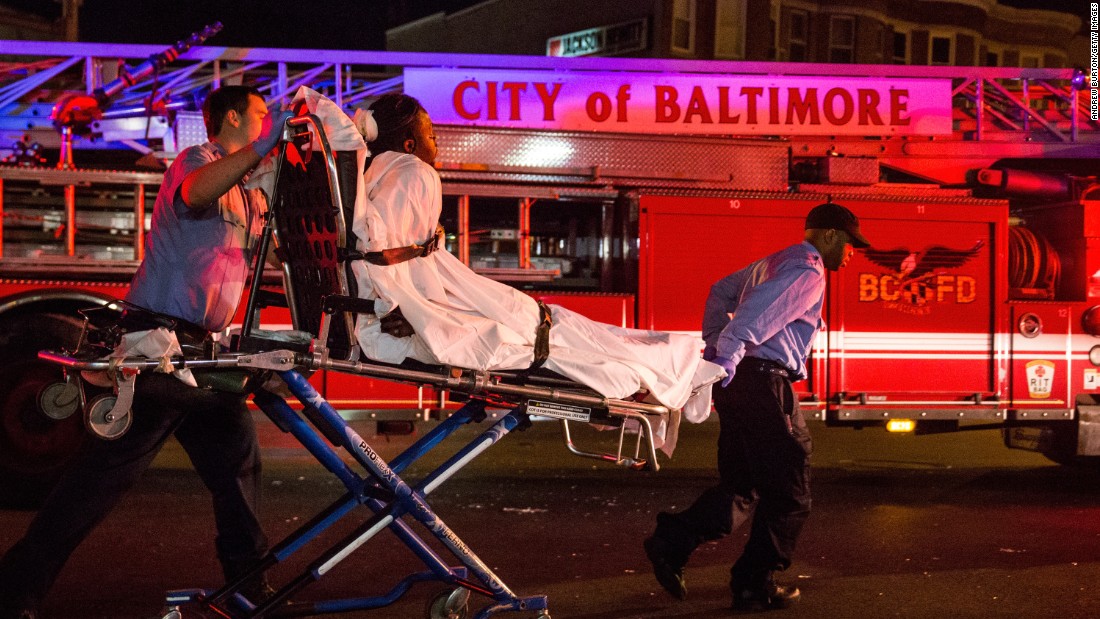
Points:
(70, 19)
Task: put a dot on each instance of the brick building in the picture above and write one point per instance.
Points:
(918, 32)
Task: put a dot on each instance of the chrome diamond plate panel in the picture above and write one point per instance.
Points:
(618, 159)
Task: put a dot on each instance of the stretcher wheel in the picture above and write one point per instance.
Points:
(59, 400)
(104, 424)
(450, 604)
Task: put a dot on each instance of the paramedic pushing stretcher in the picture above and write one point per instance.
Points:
(205, 225)
(763, 445)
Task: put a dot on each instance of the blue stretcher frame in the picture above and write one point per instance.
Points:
(388, 496)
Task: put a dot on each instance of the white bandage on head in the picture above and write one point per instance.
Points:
(364, 122)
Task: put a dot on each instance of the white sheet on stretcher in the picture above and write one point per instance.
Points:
(339, 130)
(466, 320)
(159, 343)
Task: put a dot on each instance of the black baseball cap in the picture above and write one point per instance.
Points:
(835, 217)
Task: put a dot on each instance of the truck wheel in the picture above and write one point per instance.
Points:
(33, 447)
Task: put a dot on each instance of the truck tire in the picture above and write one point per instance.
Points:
(34, 449)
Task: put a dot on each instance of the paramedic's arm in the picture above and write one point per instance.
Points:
(721, 302)
(769, 307)
(204, 186)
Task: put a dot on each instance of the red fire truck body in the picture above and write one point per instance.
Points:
(978, 304)
(900, 335)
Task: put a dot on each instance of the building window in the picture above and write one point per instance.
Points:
(901, 48)
(683, 26)
(798, 35)
(941, 50)
(842, 38)
(991, 59)
(729, 29)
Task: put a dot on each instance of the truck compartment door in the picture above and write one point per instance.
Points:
(914, 319)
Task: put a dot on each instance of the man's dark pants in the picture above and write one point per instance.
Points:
(764, 467)
(218, 434)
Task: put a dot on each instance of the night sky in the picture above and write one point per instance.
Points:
(321, 24)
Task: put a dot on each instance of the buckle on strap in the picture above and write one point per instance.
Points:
(542, 337)
(433, 243)
(395, 255)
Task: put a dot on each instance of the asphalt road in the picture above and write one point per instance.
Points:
(903, 526)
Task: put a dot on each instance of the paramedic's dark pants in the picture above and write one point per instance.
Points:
(763, 466)
(217, 432)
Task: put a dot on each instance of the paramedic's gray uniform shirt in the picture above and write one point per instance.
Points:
(196, 260)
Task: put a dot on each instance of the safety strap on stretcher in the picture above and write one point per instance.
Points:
(395, 255)
(542, 337)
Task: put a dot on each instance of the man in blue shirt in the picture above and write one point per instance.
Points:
(204, 228)
(759, 324)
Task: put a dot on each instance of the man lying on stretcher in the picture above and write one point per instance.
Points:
(434, 309)
(460, 318)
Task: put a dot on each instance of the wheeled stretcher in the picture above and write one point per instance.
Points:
(306, 220)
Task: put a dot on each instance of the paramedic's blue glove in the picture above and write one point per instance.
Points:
(270, 136)
(729, 366)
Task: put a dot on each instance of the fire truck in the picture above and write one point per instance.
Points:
(623, 188)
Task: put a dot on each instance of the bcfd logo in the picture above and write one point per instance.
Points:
(918, 279)
(1040, 378)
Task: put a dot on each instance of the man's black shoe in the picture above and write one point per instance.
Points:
(771, 597)
(670, 577)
